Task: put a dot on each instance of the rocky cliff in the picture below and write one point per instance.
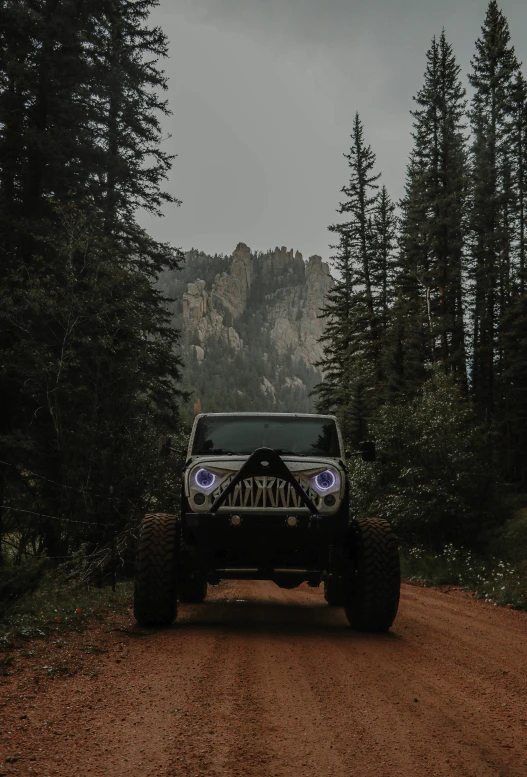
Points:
(292, 310)
(251, 327)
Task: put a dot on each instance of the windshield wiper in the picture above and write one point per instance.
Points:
(287, 452)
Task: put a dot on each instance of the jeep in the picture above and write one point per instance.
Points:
(265, 496)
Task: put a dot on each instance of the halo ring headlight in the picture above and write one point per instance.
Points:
(325, 480)
(205, 479)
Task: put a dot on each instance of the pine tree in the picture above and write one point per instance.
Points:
(494, 71)
(512, 334)
(384, 261)
(88, 355)
(432, 240)
(42, 113)
(408, 336)
(130, 164)
(514, 413)
(519, 104)
(355, 309)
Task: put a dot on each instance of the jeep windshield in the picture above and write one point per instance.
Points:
(297, 436)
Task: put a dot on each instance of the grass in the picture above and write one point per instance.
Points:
(59, 602)
(501, 582)
(499, 574)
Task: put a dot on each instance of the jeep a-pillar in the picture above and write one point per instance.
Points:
(265, 496)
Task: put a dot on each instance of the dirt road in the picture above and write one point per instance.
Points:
(260, 682)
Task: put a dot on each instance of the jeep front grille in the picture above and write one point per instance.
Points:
(264, 493)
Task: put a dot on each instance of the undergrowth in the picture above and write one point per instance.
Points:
(60, 600)
(492, 579)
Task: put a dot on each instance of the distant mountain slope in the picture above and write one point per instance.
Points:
(250, 328)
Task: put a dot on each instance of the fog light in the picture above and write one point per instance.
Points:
(235, 520)
(329, 500)
(199, 499)
(292, 520)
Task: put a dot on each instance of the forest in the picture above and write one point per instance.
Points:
(426, 326)
(89, 365)
(426, 340)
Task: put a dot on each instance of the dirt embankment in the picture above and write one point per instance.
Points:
(262, 682)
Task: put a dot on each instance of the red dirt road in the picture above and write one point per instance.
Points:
(263, 682)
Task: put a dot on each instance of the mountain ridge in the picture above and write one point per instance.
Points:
(250, 326)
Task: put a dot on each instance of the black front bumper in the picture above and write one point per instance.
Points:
(212, 524)
(261, 541)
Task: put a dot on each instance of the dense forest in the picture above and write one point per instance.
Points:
(425, 346)
(89, 368)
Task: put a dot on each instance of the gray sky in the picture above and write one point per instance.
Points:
(263, 93)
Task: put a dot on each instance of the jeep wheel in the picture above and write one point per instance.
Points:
(334, 591)
(156, 571)
(374, 578)
(193, 588)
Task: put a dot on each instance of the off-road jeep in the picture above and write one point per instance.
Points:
(265, 496)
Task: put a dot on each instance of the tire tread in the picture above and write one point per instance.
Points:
(373, 592)
(156, 571)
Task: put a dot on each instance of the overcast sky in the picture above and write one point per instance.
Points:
(263, 93)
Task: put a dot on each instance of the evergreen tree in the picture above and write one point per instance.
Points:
(384, 261)
(432, 237)
(333, 392)
(519, 103)
(512, 335)
(514, 413)
(129, 164)
(42, 116)
(355, 310)
(87, 354)
(494, 72)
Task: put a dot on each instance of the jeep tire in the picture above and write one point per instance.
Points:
(193, 588)
(374, 578)
(155, 594)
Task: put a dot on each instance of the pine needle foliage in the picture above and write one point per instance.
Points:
(89, 369)
(356, 306)
(434, 216)
(493, 78)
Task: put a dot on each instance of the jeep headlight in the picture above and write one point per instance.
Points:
(204, 480)
(326, 482)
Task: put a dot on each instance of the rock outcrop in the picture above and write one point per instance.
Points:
(292, 311)
(294, 314)
(231, 290)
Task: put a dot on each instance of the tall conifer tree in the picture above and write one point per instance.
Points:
(86, 344)
(519, 104)
(356, 307)
(384, 261)
(494, 72)
(433, 219)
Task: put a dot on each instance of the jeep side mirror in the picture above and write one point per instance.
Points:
(368, 450)
(164, 446)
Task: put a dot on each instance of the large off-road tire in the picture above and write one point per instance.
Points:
(334, 591)
(155, 594)
(193, 588)
(374, 578)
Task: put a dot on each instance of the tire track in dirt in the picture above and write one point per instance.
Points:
(264, 682)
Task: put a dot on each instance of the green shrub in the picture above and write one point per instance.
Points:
(19, 581)
(493, 579)
(434, 478)
(510, 542)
